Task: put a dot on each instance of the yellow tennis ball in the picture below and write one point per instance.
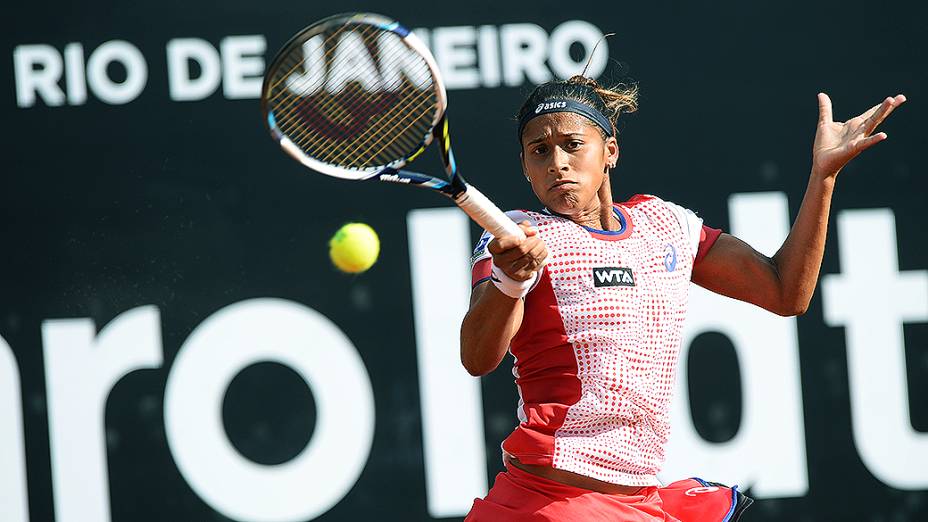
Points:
(354, 248)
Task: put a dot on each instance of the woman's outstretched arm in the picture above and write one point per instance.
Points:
(784, 283)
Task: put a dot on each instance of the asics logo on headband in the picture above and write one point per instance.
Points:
(568, 105)
(549, 106)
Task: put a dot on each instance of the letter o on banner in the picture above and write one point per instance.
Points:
(291, 334)
(587, 35)
(136, 72)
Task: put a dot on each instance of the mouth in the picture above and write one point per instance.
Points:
(561, 185)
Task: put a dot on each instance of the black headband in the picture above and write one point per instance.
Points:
(565, 105)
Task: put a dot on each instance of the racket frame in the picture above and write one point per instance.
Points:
(466, 196)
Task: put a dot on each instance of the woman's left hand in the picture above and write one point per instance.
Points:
(837, 143)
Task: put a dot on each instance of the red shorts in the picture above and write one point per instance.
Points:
(519, 496)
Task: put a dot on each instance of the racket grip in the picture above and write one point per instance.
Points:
(486, 214)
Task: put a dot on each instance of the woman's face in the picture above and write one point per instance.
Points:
(564, 157)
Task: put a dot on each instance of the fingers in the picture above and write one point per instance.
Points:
(529, 253)
(519, 258)
(870, 119)
(877, 114)
(525, 267)
(824, 108)
(528, 229)
(501, 244)
(532, 260)
(838, 143)
(865, 143)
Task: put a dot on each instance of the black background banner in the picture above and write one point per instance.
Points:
(190, 207)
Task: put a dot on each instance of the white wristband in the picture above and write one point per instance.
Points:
(509, 286)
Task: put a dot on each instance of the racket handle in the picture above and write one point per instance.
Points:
(486, 214)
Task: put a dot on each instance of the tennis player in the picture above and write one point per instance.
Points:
(592, 302)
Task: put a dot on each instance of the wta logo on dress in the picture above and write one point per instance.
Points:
(613, 276)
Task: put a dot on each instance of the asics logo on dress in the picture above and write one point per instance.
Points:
(670, 257)
(550, 105)
(613, 276)
(692, 492)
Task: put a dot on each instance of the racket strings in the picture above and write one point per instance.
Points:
(356, 99)
(393, 117)
(401, 137)
(326, 132)
(299, 56)
(397, 110)
(293, 100)
(341, 153)
(339, 112)
(394, 126)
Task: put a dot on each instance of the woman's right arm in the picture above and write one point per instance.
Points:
(489, 326)
(494, 318)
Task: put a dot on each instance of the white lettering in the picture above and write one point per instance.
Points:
(468, 56)
(587, 35)
(394, 178)
(291, 334)
(74, 74)
(81, 367)
(453, 438)
(457, 59)
(550, 105)
(400, 61)
(523, 48)
(352, 63)
(872, 299)
(313, 76)
(180, 51)
(42, 81)
(242, 66)
(14, 502)
(488, 54)
(130, 58)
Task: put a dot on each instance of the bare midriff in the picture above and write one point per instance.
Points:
(573, 479)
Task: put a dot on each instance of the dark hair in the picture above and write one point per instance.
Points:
(611, 101)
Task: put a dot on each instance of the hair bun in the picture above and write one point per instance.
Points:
(619, 99)
(579, 79)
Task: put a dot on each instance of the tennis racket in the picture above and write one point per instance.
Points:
(357, 96)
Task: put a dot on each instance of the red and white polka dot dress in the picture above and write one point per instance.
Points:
(596, 354)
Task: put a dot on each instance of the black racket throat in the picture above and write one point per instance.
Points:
(452, 187)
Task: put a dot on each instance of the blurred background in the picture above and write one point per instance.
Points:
(176, 345)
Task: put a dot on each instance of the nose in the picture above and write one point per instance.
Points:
(559, 161)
